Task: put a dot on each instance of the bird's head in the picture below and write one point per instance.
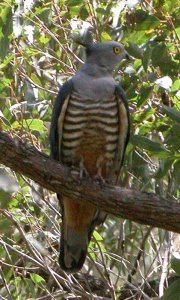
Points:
(107, 54)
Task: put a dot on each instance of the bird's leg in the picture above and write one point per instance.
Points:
(110, 175)
(99, 165)
(80, 172)
(83, 172)
(74, 172)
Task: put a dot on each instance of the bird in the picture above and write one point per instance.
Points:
(89, 132)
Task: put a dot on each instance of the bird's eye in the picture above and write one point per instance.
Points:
(117, 50)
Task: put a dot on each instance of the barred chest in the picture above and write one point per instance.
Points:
(90, 134)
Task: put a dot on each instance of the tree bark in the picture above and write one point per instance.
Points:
(142, 207)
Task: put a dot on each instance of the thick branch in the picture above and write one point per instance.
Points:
(141, 207)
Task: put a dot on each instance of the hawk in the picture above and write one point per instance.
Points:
(89, 132)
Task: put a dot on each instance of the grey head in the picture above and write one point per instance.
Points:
(94, 80)
(106, 55)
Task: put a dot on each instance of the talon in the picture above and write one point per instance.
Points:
(99, 165)
(99, 179)
(83, 172)
(74, 172)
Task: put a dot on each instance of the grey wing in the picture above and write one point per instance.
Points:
(124, 130)
(57, 119)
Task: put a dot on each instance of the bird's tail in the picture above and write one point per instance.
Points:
(73, 248)
(78, 223)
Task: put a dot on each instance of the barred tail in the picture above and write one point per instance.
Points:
(78, 223)
(73, 249)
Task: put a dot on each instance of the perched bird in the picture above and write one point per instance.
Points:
(89, 131)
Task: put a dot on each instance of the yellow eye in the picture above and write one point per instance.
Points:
(117, 50)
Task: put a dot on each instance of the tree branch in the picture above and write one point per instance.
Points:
(141, 207)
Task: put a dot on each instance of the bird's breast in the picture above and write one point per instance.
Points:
(90, 133)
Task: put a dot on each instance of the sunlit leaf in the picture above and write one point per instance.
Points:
(176, 85)
(97, 236)
(6, 30)
(75, 2)
(36, 79)
(30, 124)
(105, 36)
(37, 278)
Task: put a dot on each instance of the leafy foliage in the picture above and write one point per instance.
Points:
(37, 55)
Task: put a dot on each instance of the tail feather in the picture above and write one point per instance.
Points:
(78, 223)
(73, 249)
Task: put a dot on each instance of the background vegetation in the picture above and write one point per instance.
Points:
(126, 260)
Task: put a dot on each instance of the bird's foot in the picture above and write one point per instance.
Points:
(83, 173)
(75, 172)
(99, 179)
(79, 173)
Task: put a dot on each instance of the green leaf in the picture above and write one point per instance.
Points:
(145, 115)
(169, 6)
(30, 124)
(6, 30)
(146, 57)
(5, 225)
(6, 62)
(44, 40)
(30, 288)
(43, 14)
(149, 23)
(101, 11)
(134, 50)
(171, 113)
(6, 20)
(105, 37)
(165, 165)
(74, 2)
(173, 137)
(5, 199)
(83, 13)
(161, 58)
(36, 79)
(144, 94)
(145, 21)
(97, 236)
(145, 143)
(176, 86)
(37, 278)
(175, 264)
(91, 251)
(4, 41)
(173, 291)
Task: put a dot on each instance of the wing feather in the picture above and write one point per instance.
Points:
(124, 129)
(58, 117)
